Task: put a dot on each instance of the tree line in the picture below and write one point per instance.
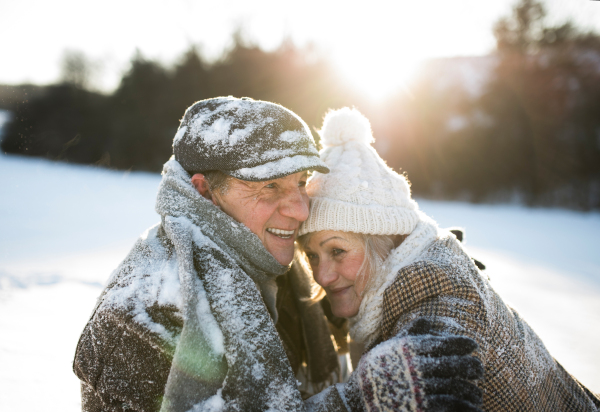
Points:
(530, 133)
(133, 127)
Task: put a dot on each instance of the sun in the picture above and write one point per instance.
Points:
(379, 78)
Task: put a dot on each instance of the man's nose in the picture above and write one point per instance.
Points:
(295, 205)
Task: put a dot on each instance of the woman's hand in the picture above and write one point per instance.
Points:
(419, 371)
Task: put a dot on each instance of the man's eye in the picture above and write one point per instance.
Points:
(337, 252)
(271, 185)
(302, 183)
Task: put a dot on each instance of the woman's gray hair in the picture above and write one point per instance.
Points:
(376, 247)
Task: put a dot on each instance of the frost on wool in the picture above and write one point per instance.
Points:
(345, 125)
(213, 404)
(280, 166)
(229, 128)
(148, 276)
(217, 131)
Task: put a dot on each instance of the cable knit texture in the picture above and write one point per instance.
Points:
(365, 326)
(361, 193)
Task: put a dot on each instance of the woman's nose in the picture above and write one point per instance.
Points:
(325, 274)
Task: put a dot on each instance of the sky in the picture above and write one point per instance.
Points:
(376, 45)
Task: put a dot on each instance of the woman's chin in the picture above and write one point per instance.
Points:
(345, 309)
(344, 301)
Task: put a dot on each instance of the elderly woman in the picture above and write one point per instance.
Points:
(383, 263)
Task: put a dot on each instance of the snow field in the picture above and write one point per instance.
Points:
(64, 228)
(39, 329)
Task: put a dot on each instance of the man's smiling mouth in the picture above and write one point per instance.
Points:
(284, 234)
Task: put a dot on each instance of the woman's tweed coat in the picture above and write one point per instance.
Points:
(445, 286)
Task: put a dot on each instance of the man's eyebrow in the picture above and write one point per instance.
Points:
(331, 238)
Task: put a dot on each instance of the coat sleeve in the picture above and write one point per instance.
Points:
(454, 304)
(121, 366)
(520, 374)
(341, 397)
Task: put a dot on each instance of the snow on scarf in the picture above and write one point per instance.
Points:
(223, 312)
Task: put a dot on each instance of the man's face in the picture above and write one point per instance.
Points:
(273, 210)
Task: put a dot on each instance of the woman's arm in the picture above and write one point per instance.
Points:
(414, 371)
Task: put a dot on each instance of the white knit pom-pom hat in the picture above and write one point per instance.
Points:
(361, 194)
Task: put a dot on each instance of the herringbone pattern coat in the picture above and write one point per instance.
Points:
(445, 286)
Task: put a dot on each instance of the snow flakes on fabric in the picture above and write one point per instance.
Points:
(283, 167)
(213, 128)
(292, 136)
(179, 134)
(224, 304)
(213, 404)
(211, 270)
(231, 134)
(148, 276)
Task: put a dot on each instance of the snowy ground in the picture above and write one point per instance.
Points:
(63, 228)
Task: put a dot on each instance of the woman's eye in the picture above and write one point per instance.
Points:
(271, 186)
(302, 183)
(337, 252)
(311, 257)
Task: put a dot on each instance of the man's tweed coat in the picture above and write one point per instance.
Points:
(445, 286)
(187, 318)
(124, 366)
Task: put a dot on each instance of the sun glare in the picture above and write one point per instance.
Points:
(380, 79)
(381, 55)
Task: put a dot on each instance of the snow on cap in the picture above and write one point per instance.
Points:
(361, 194)
(248, 139)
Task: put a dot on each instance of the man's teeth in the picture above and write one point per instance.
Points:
(285, 234)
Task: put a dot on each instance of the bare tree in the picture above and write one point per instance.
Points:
(77, 69)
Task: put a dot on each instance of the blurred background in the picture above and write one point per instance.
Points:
(492, 109)
(475, 102)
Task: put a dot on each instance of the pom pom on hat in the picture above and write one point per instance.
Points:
(361, 194)
(345, 125)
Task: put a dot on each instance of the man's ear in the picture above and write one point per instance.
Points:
(201, 184)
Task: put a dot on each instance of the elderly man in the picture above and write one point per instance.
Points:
(194, 314)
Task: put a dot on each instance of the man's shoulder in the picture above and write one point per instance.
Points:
(145, 288)
(139, 308)
(143, 291)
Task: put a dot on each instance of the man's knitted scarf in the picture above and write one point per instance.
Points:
(365, 326)
(225, 273)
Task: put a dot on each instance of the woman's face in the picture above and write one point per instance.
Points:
(335, 258)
